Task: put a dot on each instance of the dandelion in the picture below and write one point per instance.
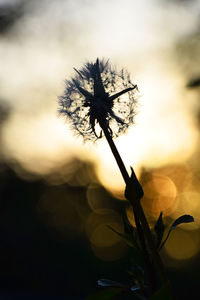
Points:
(99, 97)
(100, 100)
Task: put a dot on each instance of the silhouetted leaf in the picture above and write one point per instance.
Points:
(128, 238)
(178, 221)
(135, 184)
(159, 229)
(182, 219)
(110, 283)
(128, 228)
(162, 294)
(106, 294)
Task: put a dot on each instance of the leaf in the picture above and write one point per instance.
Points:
(110, 283)
(135, 185)
(162, 294)
(106, 294)
(182, 219)
(137, 274)
(128, 238)
(159, 229)
(128, 228)
(178, 221)
(134, 288)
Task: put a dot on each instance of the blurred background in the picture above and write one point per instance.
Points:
(57, 194)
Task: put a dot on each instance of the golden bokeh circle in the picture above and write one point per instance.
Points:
(182, 245)
(106, 244)
(159, 195)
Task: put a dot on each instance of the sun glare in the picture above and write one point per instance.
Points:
(163, 133)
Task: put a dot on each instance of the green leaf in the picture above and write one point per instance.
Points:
(178, 221)
(159, 229)
(128, 238)
(162, 294)
(106, 294)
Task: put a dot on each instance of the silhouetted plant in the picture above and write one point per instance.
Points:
(95, 96)
(100, 101)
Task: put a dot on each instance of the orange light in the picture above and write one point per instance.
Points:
(159, 195)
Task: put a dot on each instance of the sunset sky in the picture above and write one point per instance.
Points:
(50, 38)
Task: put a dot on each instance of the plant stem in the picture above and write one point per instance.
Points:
(147, 260)
(137, 208)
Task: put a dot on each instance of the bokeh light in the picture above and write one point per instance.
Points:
(32, 131)
(99, 200)
(106, 244)
(160, 48)
(160, 195)
(182, 245)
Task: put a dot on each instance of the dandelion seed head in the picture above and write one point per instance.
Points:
(99, 96)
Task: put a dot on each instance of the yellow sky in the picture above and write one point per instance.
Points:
(55, 36)
(39, 53)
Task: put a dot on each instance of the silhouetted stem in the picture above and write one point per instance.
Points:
(137, 208)
(147, 260)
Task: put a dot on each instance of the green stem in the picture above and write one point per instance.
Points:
(137, 208)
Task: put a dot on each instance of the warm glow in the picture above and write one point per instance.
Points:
(40, 143)
(182, 245)
(163, 133)
(99, 200)
(74, 190)
(159, 195)
(189, 203)
(105, 243)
